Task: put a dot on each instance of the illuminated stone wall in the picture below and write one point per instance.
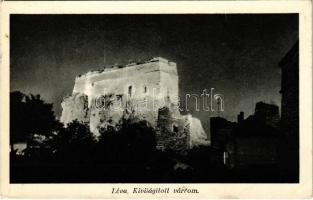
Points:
(137, 90)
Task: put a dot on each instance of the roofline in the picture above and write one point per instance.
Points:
(293, 50)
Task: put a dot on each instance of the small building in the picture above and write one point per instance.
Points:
(250, 141)
(221, 131)
(255, 139)
(290, 113)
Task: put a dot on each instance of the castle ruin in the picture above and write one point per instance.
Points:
(141, 91)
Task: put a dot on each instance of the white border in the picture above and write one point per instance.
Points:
(301, 190)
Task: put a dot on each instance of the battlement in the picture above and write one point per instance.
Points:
(129, 65)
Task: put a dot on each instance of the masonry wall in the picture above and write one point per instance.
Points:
(75, 107)
(136, 91)
(140, 88)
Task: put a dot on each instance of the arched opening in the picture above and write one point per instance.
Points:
(145, 89)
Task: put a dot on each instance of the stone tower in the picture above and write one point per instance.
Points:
(139, 90)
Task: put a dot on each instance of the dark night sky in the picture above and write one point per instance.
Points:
(238, 55)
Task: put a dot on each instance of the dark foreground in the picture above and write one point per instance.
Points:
(162, 168)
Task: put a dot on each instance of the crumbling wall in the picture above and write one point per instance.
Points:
(137, 91)
(75, 107)
(114, 109)
(197, 134)
(172, 133)
(173, 141)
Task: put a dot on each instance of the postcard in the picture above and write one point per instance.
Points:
(156, 99)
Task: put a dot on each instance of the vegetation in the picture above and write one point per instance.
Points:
(128, 154)
(30, 115)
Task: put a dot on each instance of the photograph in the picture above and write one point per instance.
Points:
(154, 98)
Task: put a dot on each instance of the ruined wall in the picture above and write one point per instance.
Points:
(75, 107)
(179, 132)
(139, 91)
(138, 88)
(173, 131)
(197, 134)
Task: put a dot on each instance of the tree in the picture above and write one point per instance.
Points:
(29, 115)
(131, 141)
(17, 117)
(73, 143)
